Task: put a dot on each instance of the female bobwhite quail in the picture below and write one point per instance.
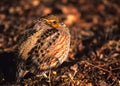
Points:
(43, 47)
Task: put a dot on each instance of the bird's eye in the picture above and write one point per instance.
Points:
(54, 22)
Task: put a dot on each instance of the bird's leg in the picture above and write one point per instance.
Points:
(21, 74)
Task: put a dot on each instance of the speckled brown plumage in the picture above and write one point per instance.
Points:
(43, 47)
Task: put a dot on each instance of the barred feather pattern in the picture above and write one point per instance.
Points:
(42, 47)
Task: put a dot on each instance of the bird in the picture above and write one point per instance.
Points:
(42, 47)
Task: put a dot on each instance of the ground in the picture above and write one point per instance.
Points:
(94, 57)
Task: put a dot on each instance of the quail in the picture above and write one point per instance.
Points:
(44, 46)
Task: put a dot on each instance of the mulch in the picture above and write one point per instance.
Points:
(94, 57)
